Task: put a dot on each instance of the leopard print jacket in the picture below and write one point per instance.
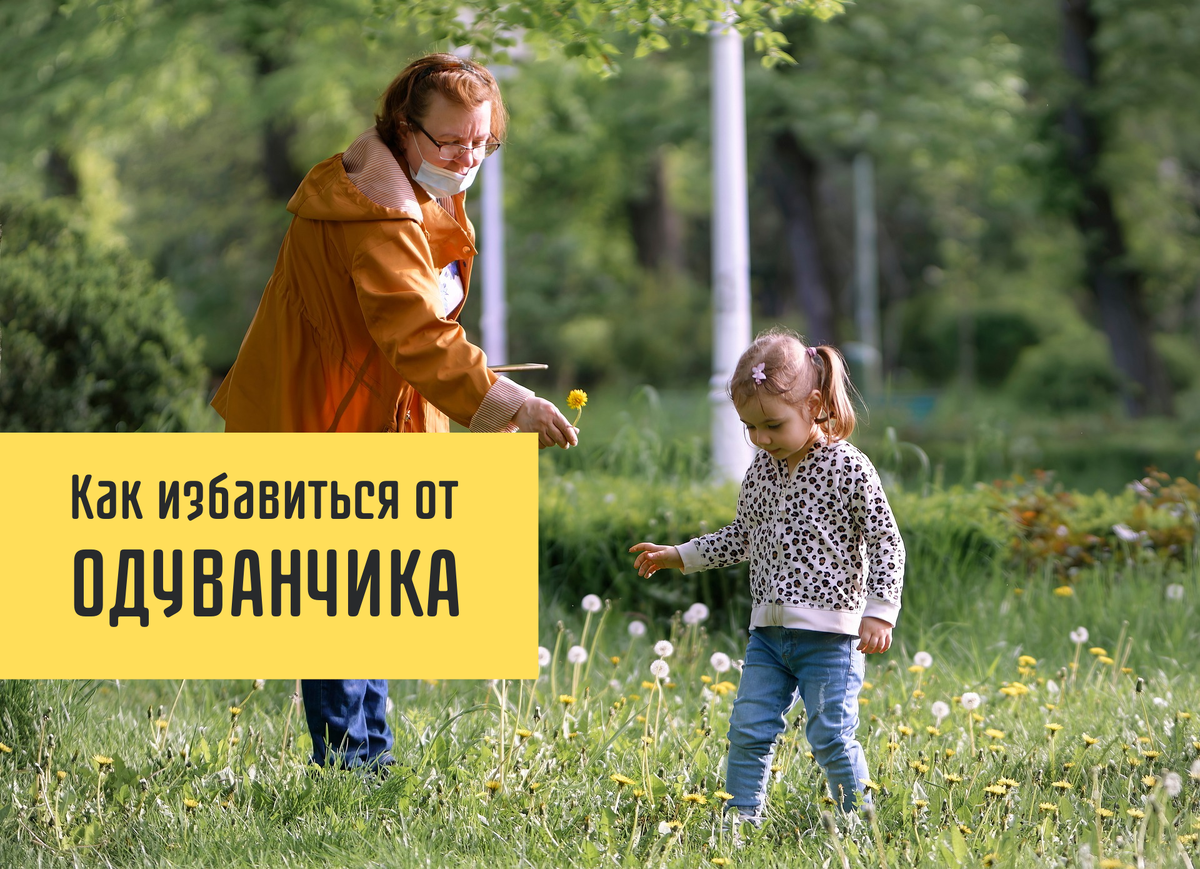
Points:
(823, 545)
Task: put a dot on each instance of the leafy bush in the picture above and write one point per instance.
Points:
(1066, 374)
(931, 341)
(1024, 527)
(91, 341)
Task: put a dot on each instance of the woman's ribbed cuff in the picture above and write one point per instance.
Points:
(499, 406)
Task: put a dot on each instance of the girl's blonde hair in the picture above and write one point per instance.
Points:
(779, 363)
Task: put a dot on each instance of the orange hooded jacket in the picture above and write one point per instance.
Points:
(350, 335)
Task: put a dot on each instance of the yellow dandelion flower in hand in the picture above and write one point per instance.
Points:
(576, 400)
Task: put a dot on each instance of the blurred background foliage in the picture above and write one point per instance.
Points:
(1038, 193)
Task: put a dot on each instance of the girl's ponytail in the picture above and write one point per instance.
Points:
(832, 380)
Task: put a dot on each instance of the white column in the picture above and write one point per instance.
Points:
(866, 269)
(492, 324)
(732, 453)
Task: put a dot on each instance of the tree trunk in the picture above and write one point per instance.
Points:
(280, 172)
(656, 227)
(1116, 284)
(796, 194)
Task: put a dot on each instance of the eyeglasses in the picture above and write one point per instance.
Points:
(453, 151)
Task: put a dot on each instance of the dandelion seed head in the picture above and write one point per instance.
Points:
(637, 628)
(923, 659)
(543, 656)
(660, 669)
(664, 829)
(576, 655)
(940, 710)
(695, 614)
(664, 648)
(592, 603)
(1079, 636)
(1174, 592)
(259, 684)
(720, 662)
(1172, 784)
(1125, 533)
(970, 700)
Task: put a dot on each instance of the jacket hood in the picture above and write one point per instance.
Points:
(327, 193)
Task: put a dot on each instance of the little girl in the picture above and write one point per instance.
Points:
(826, 566)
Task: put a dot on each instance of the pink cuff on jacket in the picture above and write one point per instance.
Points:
(499, 406)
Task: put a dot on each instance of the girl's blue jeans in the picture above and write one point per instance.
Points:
(781, 666)
(346, 720)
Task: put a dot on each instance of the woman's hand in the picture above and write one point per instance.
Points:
(653, 558)
(541, 416)
(874, 635)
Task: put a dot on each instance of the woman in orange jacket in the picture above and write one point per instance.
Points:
(358, 326)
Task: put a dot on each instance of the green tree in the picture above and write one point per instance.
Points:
(92, 342)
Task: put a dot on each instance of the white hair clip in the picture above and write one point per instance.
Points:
(758, 372)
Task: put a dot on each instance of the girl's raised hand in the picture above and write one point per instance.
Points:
(653, 557)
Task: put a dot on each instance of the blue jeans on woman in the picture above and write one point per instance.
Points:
(347, 723)
(782, 665)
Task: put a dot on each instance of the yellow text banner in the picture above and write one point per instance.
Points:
(214, 556)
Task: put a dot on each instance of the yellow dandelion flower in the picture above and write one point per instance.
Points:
(101, 761)
(649, 686)
(904, 730)
(1104, 659)
(867, 686)
(1135, 761)
(190, 804)
(916, 668)
(1026, 671)
(162, 724)
(990, 858)
(638, 793)
(5, 749)
(724, 688)
(1050, 707)
(863, 701)
(1089, 740)
(1027, 661)
(776, 767)
(1149, 781)
(1105, 813)
(1097, 650)
(996, 790)
(1064, 591)
(621, 780)
(566, 699)
(706, 679)
(534, 785)
(869, 785)
(953, 777)
(723, 796)
(524, 733)
(648, 740)
(919, 766)
(1144, 740)
(1015, 689)
(720, 861)
(893, 746)
(1183, 716)
(1111, 863)
(1127, 670)
(1048, 807)
(1189, 838)
(932, 731)
(1149, 753)
(920, 804)
(235, 711)
(1135, 813)
(965, 830)
(1069, 764)
(995, 747)
(492, 785)
(950, 752)
(1061, 785)
(616, 659)
(576, 399)
(1007, 782)
(977, 717)
(61, 775)
(1053, 728)
(993, 733)
(698, 799)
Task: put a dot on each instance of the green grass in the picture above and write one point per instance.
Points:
(191, 784)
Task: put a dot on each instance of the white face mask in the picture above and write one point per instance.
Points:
(442, 182)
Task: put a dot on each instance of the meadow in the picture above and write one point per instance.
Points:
(1040, 707)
